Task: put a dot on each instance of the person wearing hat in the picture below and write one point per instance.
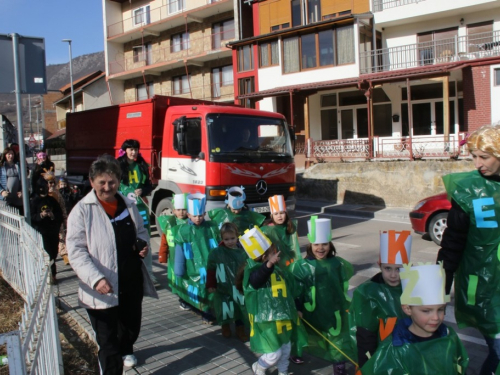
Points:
(193, 242)
(323, 278)
(282, 231)
(421, 343)
(375, 306)
(136, 185)
(269, 300)
(43, 164)
(236, 212)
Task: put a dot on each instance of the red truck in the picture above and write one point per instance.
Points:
(191, 146)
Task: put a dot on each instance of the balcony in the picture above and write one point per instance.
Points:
(194, 51)
(460, 48)
(380, 5)
(164, 18)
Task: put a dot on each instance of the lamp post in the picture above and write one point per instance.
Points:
(71, 74)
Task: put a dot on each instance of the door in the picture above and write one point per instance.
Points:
(347, 123)
(422, 119)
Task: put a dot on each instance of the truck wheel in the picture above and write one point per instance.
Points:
(165, 207)
(437, 225)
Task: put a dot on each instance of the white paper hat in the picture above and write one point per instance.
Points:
(180, 201)
(235, 197)
(196, 204)
(395, 247)
(255, 242)
(277, 203)
(320, 230)
(423, 285)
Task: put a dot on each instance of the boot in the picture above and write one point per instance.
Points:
(339, 368)
(66, 259)
(258, 369)
(241, 334)
(226, 331)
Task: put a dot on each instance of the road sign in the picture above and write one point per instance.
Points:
(32, 142)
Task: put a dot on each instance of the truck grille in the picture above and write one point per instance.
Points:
(252, 196)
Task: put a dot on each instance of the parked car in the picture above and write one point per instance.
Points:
(430, 215)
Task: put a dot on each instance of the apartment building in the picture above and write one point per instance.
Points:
(170, 47)
(373, 78)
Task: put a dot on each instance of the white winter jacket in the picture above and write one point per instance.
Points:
(92, 251)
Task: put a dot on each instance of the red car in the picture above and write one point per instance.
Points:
(429, 216)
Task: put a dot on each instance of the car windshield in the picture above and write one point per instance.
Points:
(237, 135)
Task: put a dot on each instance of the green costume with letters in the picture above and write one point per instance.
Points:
(136, 181)
(288, 244)
(477, 279)
(272, 313)
(243, 220)
(197, 241)
(323, 286)
(166, 223)
(228, 302)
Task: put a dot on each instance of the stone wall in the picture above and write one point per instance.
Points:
(389, 184)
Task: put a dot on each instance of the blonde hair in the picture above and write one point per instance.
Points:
(486, 139)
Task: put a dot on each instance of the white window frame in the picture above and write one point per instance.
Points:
(143, 13)
(176, 6)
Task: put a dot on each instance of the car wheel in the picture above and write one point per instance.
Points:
(437, 225)
(165, 207)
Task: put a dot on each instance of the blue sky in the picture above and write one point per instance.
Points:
(54, 20)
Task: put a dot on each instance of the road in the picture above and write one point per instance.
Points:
(357, 240)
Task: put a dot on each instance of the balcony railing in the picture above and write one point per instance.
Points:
(172, 9)
(459, 48)
(380, 5)
(173, 53)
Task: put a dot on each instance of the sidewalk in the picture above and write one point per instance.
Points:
(173, 341)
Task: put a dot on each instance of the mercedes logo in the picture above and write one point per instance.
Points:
(261, 187)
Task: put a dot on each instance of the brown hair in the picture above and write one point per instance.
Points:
(331, 253)
(290, 227)
(228, 228)
(6, 151)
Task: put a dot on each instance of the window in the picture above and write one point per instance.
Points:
(221, 77)
(222, 31)
(280, 27)
(269, 54)
(179, 42)
(480, 36)
(141, 16)
(143, 53)
(192, 132)
(175, 6)
(145, 91)
(246, 86)
(324, 48)
(496, 77)
(437, 44)
(245, 58)
(305, 12)
(181, 84)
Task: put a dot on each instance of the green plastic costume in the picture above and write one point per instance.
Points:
(323, 286)
(477, 279)
(375, 307)
(288, 244)
(196, 241)
(166, 223)
(136, 181)
(228, 302)
(243, 220)
(440, 356)
(272, 313)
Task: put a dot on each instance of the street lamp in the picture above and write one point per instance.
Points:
(71, 75)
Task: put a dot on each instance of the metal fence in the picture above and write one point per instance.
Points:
(380, 5)
(35, 347)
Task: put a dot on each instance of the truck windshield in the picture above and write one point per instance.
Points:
(236, 136)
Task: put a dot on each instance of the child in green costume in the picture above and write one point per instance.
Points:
(236, 212)
(282, 231)
(323, 278)
(193, 242)
(274, 322)
(223, 265)
(420, 343)
(375, 306)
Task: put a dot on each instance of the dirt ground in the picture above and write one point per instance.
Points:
(78, 351)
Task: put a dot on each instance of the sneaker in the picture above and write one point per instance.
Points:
(296, 359)
(129, 360)
(258, 369)
(226, 331)
(241, 334)
(184, 306)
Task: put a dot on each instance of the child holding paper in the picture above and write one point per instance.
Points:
(376, 306)
(420, 343)
(270, 304)
(193, 242)
(236, 212)
(282, 231)
(323, 278)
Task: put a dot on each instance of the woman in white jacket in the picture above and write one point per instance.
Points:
(106, 242)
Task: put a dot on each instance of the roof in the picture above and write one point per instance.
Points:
(80, 88)
(58, 133)
(81, 81)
